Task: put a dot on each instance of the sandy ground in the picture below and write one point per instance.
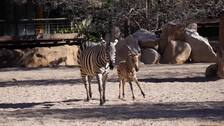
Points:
(176, 95)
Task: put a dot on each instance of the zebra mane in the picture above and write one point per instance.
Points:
(87, 44)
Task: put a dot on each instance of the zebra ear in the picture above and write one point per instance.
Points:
(129, 50)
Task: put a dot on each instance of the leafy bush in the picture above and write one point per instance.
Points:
(130, 15)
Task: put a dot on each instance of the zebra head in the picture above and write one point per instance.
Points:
(133, 58)
(111, 53)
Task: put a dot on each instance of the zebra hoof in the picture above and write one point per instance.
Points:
(87, 99)
(90, 96)
(143, 95)
(101, 103)
(133, 98)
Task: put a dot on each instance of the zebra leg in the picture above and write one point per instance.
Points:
(90, 89)
(104, 86)
(133, 96)
(120, 83)
(123, 84)
(100, 83)
(136, 81)
(85, 81)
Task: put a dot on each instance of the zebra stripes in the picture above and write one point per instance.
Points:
(96, 61)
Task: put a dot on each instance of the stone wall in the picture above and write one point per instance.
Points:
(39, 57)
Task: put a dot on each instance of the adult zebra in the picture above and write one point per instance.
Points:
(96, 61)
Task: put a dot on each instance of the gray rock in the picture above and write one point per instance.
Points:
(201, 49)
(150, 56)
(211, 71)
(176, 52)
(146, 39)
(54, 56)
(171, 31)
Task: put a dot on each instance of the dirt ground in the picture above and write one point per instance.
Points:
(176, 95)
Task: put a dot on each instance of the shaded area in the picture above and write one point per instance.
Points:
(183, 79)
(40, 82)
(18, 69)
(31, 105)
(47, 82)
(209, 110)
(18, 105)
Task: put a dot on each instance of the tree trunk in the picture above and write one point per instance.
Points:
(220, 54)
(147, 6)
(40, 25)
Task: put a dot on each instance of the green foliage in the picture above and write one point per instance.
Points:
(130, 15)
(108, 3)
(64, 30)
(83, 28)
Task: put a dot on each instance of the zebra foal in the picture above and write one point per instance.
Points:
(96, 61)
(127, 73)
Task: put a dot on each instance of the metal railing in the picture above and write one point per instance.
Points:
(29, 33)
(24, 27)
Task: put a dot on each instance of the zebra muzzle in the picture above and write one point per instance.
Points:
(136, 68)
(111, 65)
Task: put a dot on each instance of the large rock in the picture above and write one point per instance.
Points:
(193, 26)
(11, 58)
(211, 71)
(146, 39)
(201, 49)
(122, 48)
(54, 56)
(176, 52)
(171, 31)
(39, 56)
(150, 56)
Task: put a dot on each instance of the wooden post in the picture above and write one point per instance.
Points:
(220, 53)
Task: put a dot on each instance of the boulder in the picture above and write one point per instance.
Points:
(146, 39)
(149, 44)
(193, 26)
(211, 71)
(176, 52)
(11, 57)
(54, 56)
(171, 31)
(149, 56)
(144, 35)
(201, 49)
(35, 59)
(122, 48)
